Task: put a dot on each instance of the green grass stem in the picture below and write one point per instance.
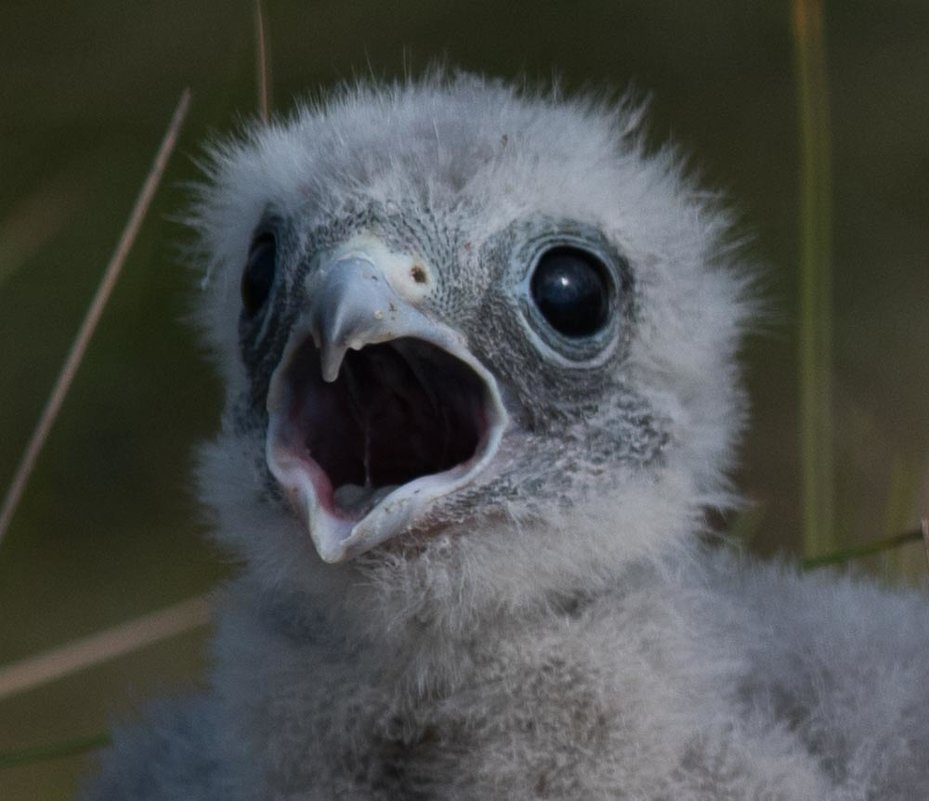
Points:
(45, 753)
(871, 549)
(815, 335)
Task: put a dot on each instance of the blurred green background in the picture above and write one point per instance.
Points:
(108, 528)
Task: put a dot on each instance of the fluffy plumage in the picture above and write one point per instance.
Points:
(547, 625)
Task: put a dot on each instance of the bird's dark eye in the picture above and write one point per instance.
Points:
(259, 272)
(571, 289)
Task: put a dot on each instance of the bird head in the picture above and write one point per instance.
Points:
(477, 343)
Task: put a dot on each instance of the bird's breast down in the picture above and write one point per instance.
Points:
(657, 692)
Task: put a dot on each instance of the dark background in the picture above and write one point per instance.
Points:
(108, 528)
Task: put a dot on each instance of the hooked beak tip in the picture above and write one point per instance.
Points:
(331, 361)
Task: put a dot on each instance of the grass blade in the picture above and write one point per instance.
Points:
(815, 357)
(872, 548)
(89, 651)
(92, 317)
(924, 530)
(44, 753)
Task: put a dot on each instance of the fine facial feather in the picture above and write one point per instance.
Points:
(549, 628)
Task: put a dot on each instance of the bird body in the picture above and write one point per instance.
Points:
(479, 349)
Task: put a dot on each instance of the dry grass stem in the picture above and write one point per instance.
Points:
(92, 317)
(103, 646)
(263, 63)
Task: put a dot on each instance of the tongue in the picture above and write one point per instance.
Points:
(358, 501)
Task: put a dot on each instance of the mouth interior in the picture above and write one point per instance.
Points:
(396, 412)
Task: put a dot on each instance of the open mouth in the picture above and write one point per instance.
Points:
(398, 411)
(404, 422)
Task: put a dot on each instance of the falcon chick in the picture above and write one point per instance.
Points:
(479, 349)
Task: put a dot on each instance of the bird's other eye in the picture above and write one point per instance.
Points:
(259, 272)
(571, 288)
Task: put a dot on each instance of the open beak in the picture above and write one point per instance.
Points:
(375, 410)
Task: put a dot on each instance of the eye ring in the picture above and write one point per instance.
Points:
(587, 343)
(259, 272)
(572, 289)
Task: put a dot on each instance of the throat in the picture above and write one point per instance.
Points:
(396, 412)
